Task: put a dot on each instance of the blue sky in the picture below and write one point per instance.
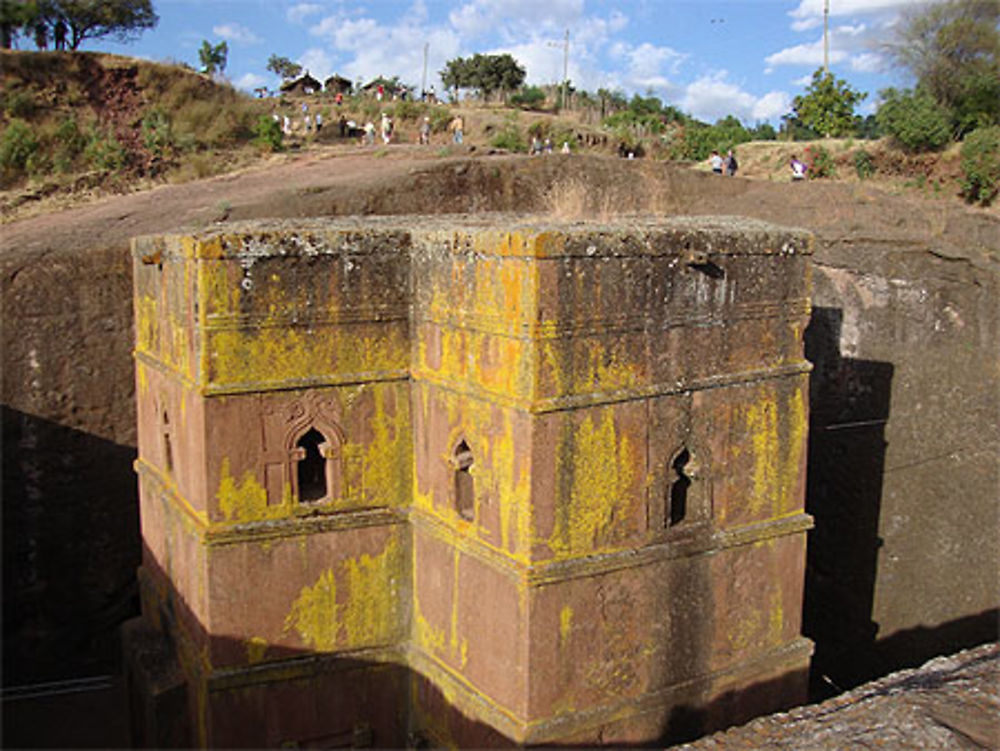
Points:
(747, 58)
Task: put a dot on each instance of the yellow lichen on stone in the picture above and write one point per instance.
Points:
(565, 625)
(369, 610)
(353, 605)
(512, 490)
(602, 467)
(147, 324)
(256, 649)
(762, 425)
(387, 462)
(314, 614)
(142, 379)
(778, 439)
(283, 354)
(426, 636)
(246, 500)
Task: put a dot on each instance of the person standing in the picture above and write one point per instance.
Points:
(457, 127)
(731, 164)
(425, 131)
(386, 129)
(716, 162)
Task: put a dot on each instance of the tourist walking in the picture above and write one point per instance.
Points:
(716, 162)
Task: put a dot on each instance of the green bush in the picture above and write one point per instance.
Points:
(156, 133)
(19, 104)
(440, 118)
(509, 137)
(528, 98)
(820, 162)
(981, 164)
(407, 110)
(69, 144)
(268, 133)
(864, 166)
(17, 146)
(914, 120)
(103, 151)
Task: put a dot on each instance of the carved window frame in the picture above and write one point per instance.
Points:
(331, 450)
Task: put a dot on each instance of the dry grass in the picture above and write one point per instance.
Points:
(573, 199)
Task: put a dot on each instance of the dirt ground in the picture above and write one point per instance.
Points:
(338, 180)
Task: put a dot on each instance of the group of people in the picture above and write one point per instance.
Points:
(310, 123)
(545, 147)
(729, 164)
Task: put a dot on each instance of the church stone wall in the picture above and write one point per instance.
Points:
(555, 474)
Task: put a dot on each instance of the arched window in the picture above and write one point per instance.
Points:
(677, 499)
(168, 452)
(465, 490)
(311, 469)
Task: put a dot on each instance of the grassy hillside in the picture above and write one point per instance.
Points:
(75, 124)
(89, 118)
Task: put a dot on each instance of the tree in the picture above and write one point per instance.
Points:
(914, 119)
(213, 57)
(123, 20)
(486, 74)
(282, 66)
(828, 105)
(14, 15)
(952, 50)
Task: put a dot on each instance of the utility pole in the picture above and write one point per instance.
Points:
(565, 78)
(826, 37)
(423, 81)
(565, 101)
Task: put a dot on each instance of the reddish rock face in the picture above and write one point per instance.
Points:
(537, 484)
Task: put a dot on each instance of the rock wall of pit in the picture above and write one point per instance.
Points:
(904, 444)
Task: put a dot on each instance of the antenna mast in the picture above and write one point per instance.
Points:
(565, 102)
(423, 82)
(826, 37)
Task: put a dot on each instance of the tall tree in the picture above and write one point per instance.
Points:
(952, 50)
(213, 57)
(828, 105)
(122, 20)
(282, 66)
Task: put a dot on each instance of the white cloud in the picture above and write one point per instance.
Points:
(249, 81)
(515, 19)
(711, 97)
(372, 49)
(868, 62)
(803, 54)
(772, 105)
(854, 42)
(317, 63)
(297, 14)
(811, 11)
(234, 32)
